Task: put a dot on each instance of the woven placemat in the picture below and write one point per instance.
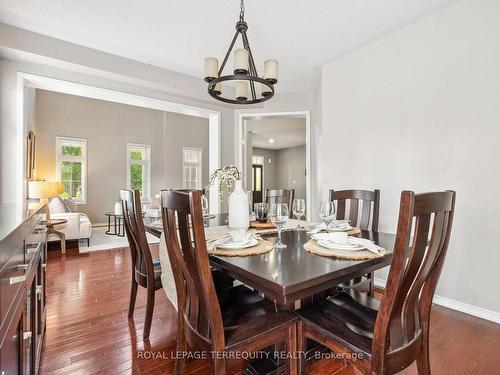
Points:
(261, 248)
(313, 247)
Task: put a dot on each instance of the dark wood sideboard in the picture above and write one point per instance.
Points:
(23, 256)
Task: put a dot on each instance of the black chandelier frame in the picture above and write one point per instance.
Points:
(240, 74)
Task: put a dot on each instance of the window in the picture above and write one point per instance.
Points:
(192, 167)
(139, 169)
(258, 159)
(71, 167)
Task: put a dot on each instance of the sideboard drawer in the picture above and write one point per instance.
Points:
(12, 279)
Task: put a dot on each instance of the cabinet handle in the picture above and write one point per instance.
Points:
(38, 291)
(31, 249)
(23, 266)
(44, 265)
(17, 279)
(26, 335)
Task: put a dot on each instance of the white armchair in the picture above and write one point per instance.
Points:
(78, 225)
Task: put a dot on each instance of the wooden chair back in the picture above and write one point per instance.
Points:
(422, 238)
(280, 196)
(199, 312)
(136, 235)
(370, 201)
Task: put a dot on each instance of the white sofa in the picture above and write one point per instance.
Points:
(78, 224)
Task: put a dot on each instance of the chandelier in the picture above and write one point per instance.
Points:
(244, 73)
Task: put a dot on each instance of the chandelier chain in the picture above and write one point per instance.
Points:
(242, 11)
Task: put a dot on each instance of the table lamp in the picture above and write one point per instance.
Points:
(44, 190)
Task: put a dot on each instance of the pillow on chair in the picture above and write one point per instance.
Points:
(71, 205)
(57, 206)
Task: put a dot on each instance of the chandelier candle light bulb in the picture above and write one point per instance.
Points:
(271, 71)
(218, 88)
(265, 90)
(211, 68)
(241, 90)
(241, 61)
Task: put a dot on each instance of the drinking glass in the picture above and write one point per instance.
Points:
(327, 213)
(279, 217)
(250, 200)
(261, 211)
(204, 205)
(299, 210)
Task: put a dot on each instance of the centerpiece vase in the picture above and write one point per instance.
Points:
(238, 208)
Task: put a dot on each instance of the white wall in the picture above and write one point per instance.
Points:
(420, 110)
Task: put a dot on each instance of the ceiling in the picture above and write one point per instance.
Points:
(285, 132)
(177, 35)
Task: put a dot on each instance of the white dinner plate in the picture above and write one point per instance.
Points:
(238, 244)
(340, 246)
(337, 229)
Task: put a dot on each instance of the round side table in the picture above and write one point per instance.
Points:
(51, 230)
(118, 227)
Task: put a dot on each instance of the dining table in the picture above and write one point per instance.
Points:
(292, 274)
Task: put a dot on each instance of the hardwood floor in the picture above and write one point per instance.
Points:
(88, 331)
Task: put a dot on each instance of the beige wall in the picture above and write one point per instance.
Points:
(291, 166)
(269, 168)
(286, 170)
(108, 127)
(425, 104)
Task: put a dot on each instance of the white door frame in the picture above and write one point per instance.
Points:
(25, 80)
(240, 153)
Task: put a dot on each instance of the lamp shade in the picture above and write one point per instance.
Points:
(44, 189)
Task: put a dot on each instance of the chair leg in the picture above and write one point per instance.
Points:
(181, 350)
(291, 349)
(149, 313)
(370, 284)
(133, 295)
(301, 348)
(218, 366)
(423, 362)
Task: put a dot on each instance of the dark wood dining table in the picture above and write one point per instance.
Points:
(293, 274)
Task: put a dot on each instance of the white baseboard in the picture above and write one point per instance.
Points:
(457, 305)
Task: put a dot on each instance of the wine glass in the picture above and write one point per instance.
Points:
(261, 211)
(204, 205)
(299, 210)
(279, 218)
(327, 213)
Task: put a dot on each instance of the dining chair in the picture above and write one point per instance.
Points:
(367, 220)
(207, 321)
(392, 334)
(145, 271)
(280, 196)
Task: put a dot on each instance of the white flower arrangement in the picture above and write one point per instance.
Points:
(227, 176)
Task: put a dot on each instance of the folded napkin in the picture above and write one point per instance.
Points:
(343, 238)
(337, 224)
(233, 235)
